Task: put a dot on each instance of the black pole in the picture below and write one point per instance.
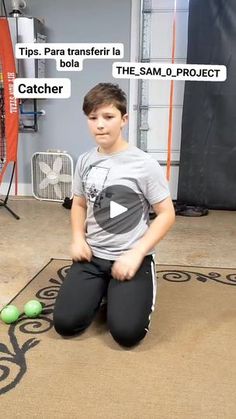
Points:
(3, 203)
(4, 7)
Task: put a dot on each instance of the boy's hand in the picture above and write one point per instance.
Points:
(126, 266)
(80, 250)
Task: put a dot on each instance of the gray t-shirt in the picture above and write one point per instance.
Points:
(131, 169)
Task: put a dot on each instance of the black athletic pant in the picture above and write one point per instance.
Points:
(129, 303)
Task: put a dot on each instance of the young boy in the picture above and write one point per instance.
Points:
(115, 185)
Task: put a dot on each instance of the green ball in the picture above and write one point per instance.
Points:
(33, 308)
(9, 314)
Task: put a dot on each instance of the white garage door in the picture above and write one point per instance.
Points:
(152, 41)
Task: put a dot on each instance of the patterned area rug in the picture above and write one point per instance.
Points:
(184, 368)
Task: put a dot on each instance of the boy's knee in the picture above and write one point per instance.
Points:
(127, 336)
(66, 327)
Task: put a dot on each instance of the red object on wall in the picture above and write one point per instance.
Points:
(11, 105)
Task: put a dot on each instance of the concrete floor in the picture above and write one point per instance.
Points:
(43, 232)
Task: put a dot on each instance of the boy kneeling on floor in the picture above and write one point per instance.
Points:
(113, 244)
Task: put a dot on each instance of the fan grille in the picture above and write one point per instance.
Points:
(49, 193)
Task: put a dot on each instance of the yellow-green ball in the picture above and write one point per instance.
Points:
(33, 309)
(10, 314)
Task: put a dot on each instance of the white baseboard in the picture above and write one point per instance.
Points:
(23, 189)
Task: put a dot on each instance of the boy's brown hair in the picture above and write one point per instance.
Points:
(105, 94)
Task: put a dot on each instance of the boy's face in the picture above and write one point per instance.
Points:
(105, 124)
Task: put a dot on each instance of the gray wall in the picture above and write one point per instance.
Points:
(64, 126)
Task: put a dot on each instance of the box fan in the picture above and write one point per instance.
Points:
(52, 175)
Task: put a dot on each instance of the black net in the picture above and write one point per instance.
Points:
(208, 153)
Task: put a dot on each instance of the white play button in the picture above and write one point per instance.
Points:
(116, 209)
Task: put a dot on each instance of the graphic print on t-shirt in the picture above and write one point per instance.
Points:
(116, 208)
(94, 182)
